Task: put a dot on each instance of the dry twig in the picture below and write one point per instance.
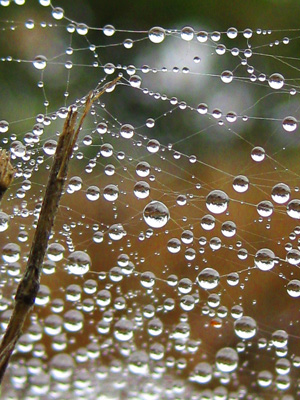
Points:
(30, 283)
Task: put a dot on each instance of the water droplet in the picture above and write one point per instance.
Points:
(208, 222)
(153, 146)
(111, 192)
(232, 33)
(62, 367)
(293, 209)
(11, 252)
(135, 81)
(78, 263)
(293, 288)
(156, 34)
(245, 327)
(123, 330)
(141, 190)
(264, 259)
(281, 193)
(228, 229)
(55, 252)
(227, 360)
(227, 76)
(187, 33)
(142, 169)
(276, 81)
(138, 363)
(82, 29)
(58, 13)
(109, 30)
(240, 184)
(265, 208)
(50, 147)
(40, 62)
(93, 193)
(4, 219)
(101, 128)
(106, 150)
(208, 278)
(290, 124)
(202, 373)
(116, 232)
(280, 338)
(156, 214)
(127, 131)
(258, 154)
(217, 201)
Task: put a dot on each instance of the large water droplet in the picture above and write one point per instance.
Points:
(156, 34)
(40, 62)
(217, 201)
(79, 263)
(208, 278)
(156, 214)
(290, 124)
(245, 327)
(264, 259)
(276, 81)
(227, 359)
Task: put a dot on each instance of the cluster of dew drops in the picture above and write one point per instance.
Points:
(151, 359)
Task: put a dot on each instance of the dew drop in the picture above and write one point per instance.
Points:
(281, 193)
(217, 201)
(127, 131)
(156, 214)
(232, 33)
(55, 252)
(264, 259)
(142, 169)
(109, 30)
(187, 33)
(82, 29)
(240, 184)
(4, 219)
(58, 13)
(11, 252)
(258, 154)
(156, 34)
(276, 81)
(290, 124)
(293, 288)
(245, 327)
(141, 190)
(208, 278)
(280, 339)
(4, 125)
(111, 192)
(50, 147)
(293, 209)
(40, 62)
(93, 193)
(78, 263)
(227, 359)
(153, 146)
(123, 330)
(227, 76)
(265, 208)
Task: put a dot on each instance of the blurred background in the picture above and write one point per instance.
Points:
(222, 152)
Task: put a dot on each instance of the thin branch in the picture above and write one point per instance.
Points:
(30, 283)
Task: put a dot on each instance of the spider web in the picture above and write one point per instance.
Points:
(172, 271)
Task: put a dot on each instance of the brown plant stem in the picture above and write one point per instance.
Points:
(30, 283)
